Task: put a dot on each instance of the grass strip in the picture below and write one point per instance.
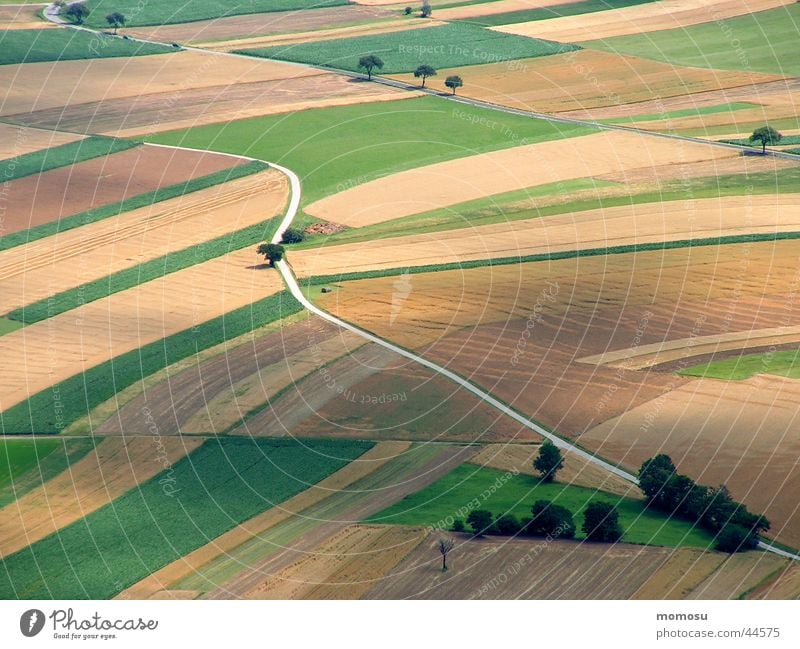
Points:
(145, 272)
(129, 204)
(221, 484)
(55, 408)
(61, 156)
(780, 363)
(554, 256)
(553, 11)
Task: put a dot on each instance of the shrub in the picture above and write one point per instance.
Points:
(458, 525)
(550, 520)
(736, 538)
(601, 523)
(293, 235)
(507, 525)
(480, 520)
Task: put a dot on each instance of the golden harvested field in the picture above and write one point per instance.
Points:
(739, 433)
(181, 568)
(214, 394)
(62, 261)
(495, 7)
(649, 17)
(738, 574)
(71, 83)
(681, 573)
(251, 25)
(67, 344)
(623, 225)
(21, 17)
(577, 471)
(344, 567)
(785, 585)
(18, 140)
(49, 196)
(449, 183)
(585, 79)
(491, 568)
(115, 466)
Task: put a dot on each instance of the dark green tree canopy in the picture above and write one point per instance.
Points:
(601, 523)
(766, 135)
(453, 82)
(480, 520)
(550, 519)
(369, 63)
(272, 252)
(423, 72)
(549, 461)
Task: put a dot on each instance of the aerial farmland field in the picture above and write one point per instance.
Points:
(367, 300)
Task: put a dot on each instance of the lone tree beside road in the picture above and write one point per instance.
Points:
(549, 461)
(77, 13)
(116, 20)
(766, 135)
(272, 252)
(426, 10)
(454, 82)
(369, 63)
(424, 71)
(445, 545)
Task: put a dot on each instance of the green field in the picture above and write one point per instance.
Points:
(449, 46)
(553, 11)
(686, 112)
(144, 272)
(516, 495)
(780, 363)
(221, 484)
(62, 156)
(27, 463)
(134, 202)
(786, 139)
(164, 13)
(759, 42)
(332, 149)
(37, 45)
(53, 409)
(7, 326)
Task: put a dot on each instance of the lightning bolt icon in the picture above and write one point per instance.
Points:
(32, 621)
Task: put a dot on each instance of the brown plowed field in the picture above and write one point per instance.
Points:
(62, 261)
(344, 567)
(18, 140)
(114, 467)
(681, 573)
(587, 79)
(197, 393)
(181, 568)
(354, 507)
(248, 26)
(67, 344)
(383, 396)
(449, 183)
(738, 574)
(738, 433)
(576, 471)
(625, 225)
(49, 196)
(70, 83)
(650, 17)
(520, 569)
(21, 17)
(785, 585)
(188, 107)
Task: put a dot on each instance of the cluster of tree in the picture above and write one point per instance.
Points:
(78, 12)
(712, 508)
(600, 522)
(372, 62)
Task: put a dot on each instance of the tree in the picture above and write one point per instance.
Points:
(735, 538)
(766, 135)
(445, 545)
(424, 71)
(507, 525)
(369, 63)
(116, 20)
(601, 523)
(551, 520)
(480, 520)
(426, 9)
(720, 509)
(272, 252)
(77, 13)
(654, 475)
(408, 11)
(458, 525)
(453, 82)
(549, 461)
(292, 235)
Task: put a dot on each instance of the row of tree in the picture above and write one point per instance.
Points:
(372, 62)
(711, 508)
(600, 522)
(78, 12)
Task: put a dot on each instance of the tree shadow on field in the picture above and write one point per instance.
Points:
(262, 266)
